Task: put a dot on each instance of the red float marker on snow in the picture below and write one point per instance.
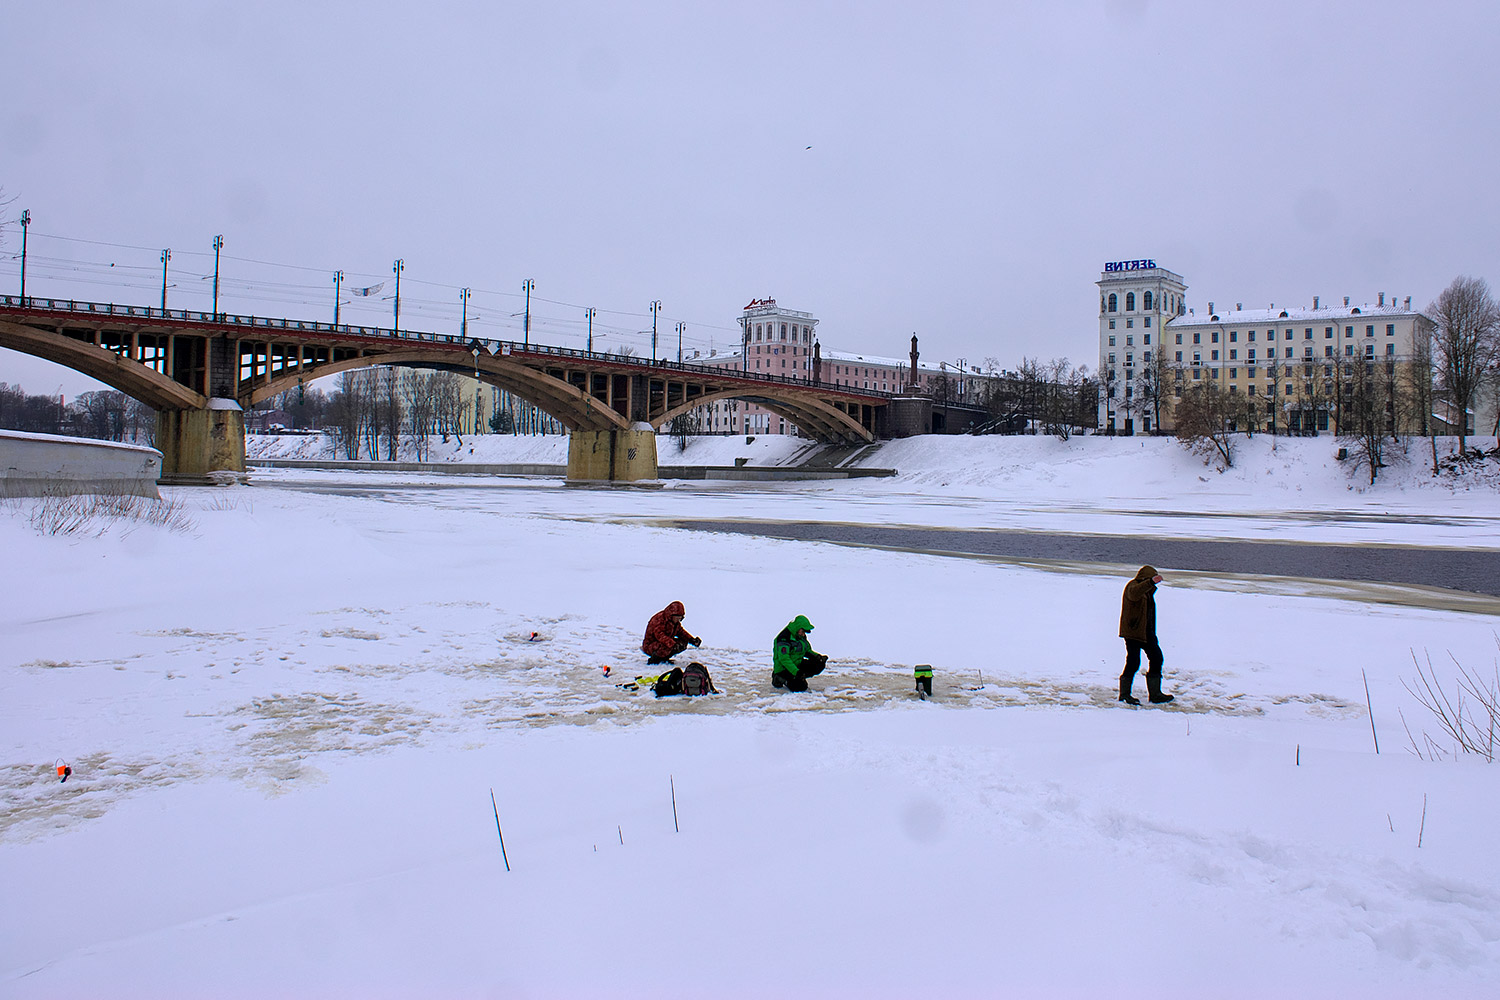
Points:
(63, 770)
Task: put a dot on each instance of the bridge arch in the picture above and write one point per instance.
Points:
(820, 419)
(572, 407)
(133, 378)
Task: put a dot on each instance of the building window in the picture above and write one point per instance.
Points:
(1215, 336)
(1148, 321)
(1130, 340)
(1251, 337)
(1250, 355)
(1197, 373)
(1370, 331)
(1197, 338)
(1197, 358)
(1214, 356)
(1348, 350)
(1111, 324)
(1179, 357)
(1111, 339)
(1249, 390)
(1390, 350)
(1328, 351)
(1390, 329)
(1111, 359)
(1130, 301)
(1234, 373)
(1369, 350)
(1213, 373)
(1289, 333)
(1147, 357)
(1179, 338)
(1234, 336)
(1234, 353)
(1146, 301)
(1112, 302)
(1327, 333)
(1307, 334)
(1146, 339)
(1129, 322)
(1348, 332)
(1307, 351)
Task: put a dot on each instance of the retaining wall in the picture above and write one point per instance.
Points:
(33, 465)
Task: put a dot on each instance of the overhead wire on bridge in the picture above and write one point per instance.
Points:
(493, 314)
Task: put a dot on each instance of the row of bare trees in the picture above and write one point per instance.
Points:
(371, 410)
(105, 414)
(1049, 397)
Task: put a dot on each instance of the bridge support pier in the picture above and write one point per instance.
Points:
(616, 456)
(202, 447)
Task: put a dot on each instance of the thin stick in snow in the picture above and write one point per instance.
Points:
(1389, 823)
(673, 782)
(622, 835)
(1373, 734)
(1299, 754)
(1423, 827)
(498, 830)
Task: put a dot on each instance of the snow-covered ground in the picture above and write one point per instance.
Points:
(285, 726)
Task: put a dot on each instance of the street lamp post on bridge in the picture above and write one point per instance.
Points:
(338, 280)
(218, 245)
(166, 255)
(25, 224)
(527, 286)
(589, 313)
(397, 267)
(463, 328)
(655, 308)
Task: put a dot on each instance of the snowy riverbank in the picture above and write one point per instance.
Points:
(285, 725)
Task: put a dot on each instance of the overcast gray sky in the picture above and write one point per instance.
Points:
(958, 170)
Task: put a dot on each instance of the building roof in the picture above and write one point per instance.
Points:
(1291, 314)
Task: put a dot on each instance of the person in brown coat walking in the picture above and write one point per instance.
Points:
(1138, 629)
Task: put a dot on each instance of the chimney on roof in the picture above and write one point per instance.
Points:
(1408, 303)
(1346, 300)
(1239, 307)
(1210, 307)
(1315, 302)
(1382, 298)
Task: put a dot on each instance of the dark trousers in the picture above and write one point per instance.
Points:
(1133, 650)
(678, 645)
(811, 666)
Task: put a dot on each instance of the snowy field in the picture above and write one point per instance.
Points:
(286, 723)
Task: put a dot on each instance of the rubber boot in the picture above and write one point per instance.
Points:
(1153, 689)
(1125, 695)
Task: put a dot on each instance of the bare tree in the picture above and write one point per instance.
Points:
(1464, 343)
(1205, 415)
(346, 412)
(389, 410)
(421, 409)
(1367, 393)
(448, 403)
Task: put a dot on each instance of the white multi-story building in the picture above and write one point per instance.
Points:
(1280, 360)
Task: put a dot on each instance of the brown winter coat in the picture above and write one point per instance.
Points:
(665, 635)
(1138, 607)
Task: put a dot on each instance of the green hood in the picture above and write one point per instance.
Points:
(800, 622)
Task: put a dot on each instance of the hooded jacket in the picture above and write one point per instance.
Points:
(1138, 607)
(789, 650)
(665, 635)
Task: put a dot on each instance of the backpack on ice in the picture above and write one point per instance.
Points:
(696, 681)
(668, 683)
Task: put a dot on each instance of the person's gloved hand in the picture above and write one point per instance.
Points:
(697, 642)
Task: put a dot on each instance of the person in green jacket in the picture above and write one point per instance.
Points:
(792, 658)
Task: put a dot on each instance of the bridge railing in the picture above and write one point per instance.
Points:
(76, 308)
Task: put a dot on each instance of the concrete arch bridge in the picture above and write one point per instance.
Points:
(200, 370)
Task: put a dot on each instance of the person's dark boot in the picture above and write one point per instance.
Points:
(1130, 699)
(1154, 692)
